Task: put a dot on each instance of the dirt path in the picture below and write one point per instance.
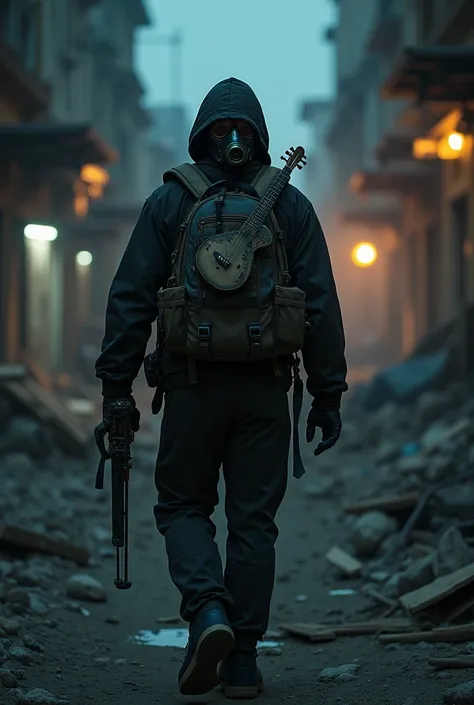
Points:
(91, 658)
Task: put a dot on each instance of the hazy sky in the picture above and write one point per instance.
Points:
(279, 51)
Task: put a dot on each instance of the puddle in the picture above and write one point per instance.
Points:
(342, 593)
(178, 638)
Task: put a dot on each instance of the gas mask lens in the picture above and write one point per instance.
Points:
(221, 128)
(232, 141)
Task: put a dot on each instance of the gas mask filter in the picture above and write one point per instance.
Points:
(232, 142)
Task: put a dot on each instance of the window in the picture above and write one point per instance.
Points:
(28, 36)
(427, 17)
(6, 11)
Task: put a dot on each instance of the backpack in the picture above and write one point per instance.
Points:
(221, 303)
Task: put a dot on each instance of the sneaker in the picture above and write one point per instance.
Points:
(239, 676)
(211, 640)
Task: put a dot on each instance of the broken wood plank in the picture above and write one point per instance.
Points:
(387, 504)
(14, 538)
(314, 632)
(321, 632)
(445, 634)
(12, 372)
(436, 591)
(378, 597)
(349, 565)
(457, 662)
(450, 432)
(49, 410)
(459, 610)
(376, 626)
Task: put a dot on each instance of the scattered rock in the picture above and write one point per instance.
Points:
(85, 587)
(10, 626)
(22, 655)
(370, 530)
(301, 598)
(430, 406)
(113, 619)
(419, 573)
(18, 596)
(462, 694)
(39, 697)
(340, 673)
(7, 678)
(453, 553)
(32, 644)
(412, 464)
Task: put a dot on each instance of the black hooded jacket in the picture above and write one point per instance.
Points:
(146, 265)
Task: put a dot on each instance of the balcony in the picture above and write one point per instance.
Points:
(27, 90)
(51, 145)
(435, 74)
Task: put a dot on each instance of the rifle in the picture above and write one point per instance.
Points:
(121, 437)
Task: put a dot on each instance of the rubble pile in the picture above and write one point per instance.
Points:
(53, 525)
(409, 545)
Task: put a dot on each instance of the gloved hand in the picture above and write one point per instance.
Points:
(329, 421)
(110, 403)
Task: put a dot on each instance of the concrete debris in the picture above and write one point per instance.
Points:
(51, 520)
(370, 530)
(85, 587)
(419, 573)
(462, 694)
(347, 672)
(39, 697)
(452, 553)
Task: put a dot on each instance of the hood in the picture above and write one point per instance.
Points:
(230, 98)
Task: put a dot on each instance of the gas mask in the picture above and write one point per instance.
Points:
(231, 142)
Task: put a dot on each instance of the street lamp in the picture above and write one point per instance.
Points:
(364, 254)
(45, 233)
(84, 258)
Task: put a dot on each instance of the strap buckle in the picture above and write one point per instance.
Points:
(255, 335)
(204, 336)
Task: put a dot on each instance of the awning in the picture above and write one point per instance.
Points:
(396, 180)
(433, 74)
(395, 147)
(30, 92)
(370, 217)
(53, 145)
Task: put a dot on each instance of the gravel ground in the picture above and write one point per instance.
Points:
(82, 650)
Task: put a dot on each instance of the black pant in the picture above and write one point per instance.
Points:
(245, 427)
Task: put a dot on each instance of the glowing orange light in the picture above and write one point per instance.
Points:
(364, 254)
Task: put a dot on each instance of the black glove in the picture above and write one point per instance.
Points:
(109, 404)
(329, 421)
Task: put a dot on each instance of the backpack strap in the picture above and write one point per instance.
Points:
(191, 177)
(264, 179)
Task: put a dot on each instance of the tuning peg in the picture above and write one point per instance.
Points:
(283, 159)
(287, 152)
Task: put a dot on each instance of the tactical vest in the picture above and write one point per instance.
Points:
(229, 298)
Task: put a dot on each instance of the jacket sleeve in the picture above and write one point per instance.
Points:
(323, 352)
(132, 305)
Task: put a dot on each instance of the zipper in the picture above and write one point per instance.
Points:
(211, 220)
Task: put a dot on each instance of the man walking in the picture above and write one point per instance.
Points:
(229, 325)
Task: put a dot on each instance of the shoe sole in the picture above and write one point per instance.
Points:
(214, 646)
(240, 692)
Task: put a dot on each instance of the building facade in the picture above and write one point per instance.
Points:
(71, 125)
(397, 181)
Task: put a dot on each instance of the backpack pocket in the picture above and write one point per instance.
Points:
(290, 319)
(173, 314)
